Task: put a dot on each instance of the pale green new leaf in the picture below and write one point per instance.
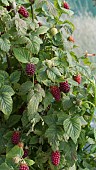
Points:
(22, 55)
(72, 127)
(29, 161)
(15, 151)
(4, 44)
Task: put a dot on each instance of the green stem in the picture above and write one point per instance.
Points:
(33, 80)
(32, 13)
(8, 64)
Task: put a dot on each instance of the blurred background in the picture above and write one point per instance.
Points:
(85, 25)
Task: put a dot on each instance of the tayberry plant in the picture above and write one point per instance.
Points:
(47, 93)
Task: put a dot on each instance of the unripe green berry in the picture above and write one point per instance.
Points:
(54, 31)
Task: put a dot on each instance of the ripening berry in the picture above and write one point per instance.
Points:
(64, 87)
(55, 157)
(71, 39)
(66, 5)
(22, 10)
(21, 144)
(77, 78)
(30, 69)
(23, 166)
(15, 137)
(55, 91)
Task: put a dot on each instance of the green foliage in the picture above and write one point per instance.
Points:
(26, 103)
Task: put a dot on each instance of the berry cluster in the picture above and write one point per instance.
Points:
(56, 91)
(15, 137)
(16, 141)
(66, 5)
(30, 69)
(22, 10)
(55, 157)
(64, 87)
(23, 166)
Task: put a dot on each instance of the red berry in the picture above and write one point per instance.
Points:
(66, 5)
(26, 151)
(22, 10)
(64, 87)
(77, 78)
(55, 91)
(15, 137)
(30, 69)
(23, 166)
(55, 157)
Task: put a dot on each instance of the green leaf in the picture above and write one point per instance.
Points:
(7, 89)
(22, 55)
(50, 119)
(35, 97)
(54, 134)
(34, 44)
(26, 87)
(95, 134)
(41, 30)
(72, 127)
(4, 75)
(56, 71)
(69, 150)
(15, 76)
(34, 60)
(4, 166)
(13, 120)
(15, 151)
(21, 25)
(34, 140)
(47, 100)
(4, 44)
(51, 75)
(6, 104)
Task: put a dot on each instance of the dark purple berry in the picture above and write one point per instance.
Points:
(30, 69)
